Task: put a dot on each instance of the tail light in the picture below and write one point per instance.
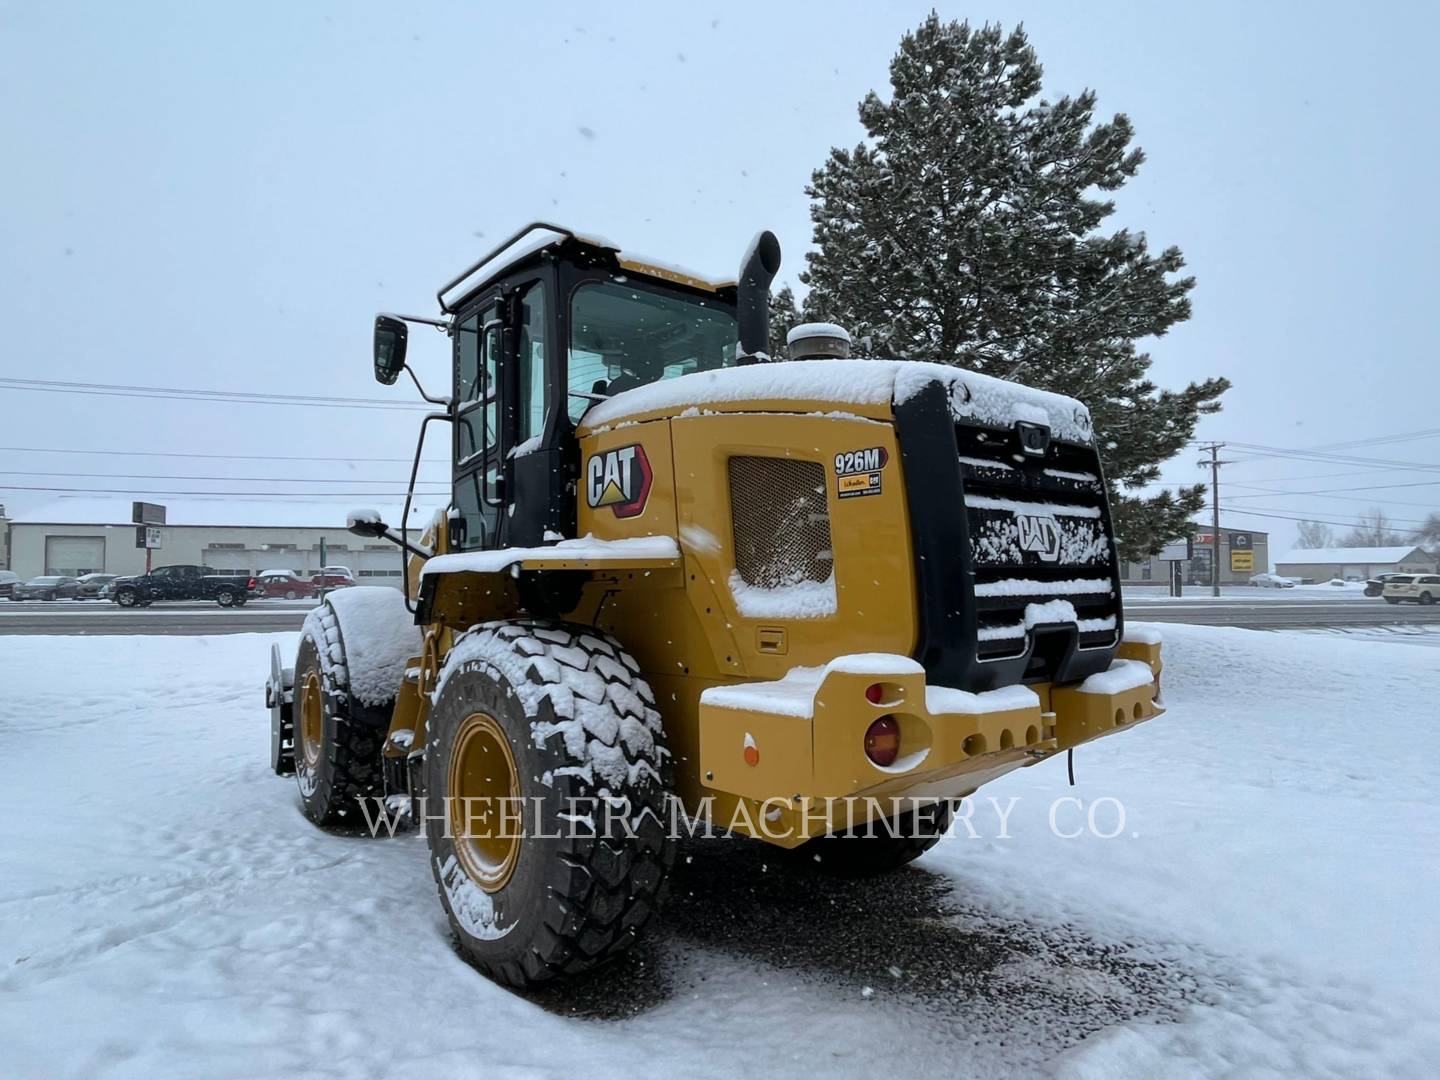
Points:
(251, 583)
(882, 741)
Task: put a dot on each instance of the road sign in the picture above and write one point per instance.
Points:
(143, 513)
(1175, 551)
(1242, 561)
(149, 537)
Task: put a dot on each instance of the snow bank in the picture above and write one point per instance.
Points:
(854, 382)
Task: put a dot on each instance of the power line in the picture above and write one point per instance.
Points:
(236, 479)
(1258, 450)
(234, 397)
(1323, 493)
(1271, 512)
(224, 494)
(1379, 440)
(188, 454)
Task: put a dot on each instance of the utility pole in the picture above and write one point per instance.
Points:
(1213, 449)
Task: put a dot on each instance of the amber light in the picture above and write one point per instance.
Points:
(882, 741)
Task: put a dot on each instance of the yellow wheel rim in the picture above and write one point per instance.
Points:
(311, 728)
(484, 811)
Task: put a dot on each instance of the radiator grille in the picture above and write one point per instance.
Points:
(780, 520)
(1012, 571)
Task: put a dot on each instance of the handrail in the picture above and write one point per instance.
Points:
(562, 233)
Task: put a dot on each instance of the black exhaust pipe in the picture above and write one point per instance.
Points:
(752, 297)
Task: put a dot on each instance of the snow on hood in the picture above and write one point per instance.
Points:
(854, 382)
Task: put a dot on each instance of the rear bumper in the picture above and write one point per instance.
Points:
(790, 746)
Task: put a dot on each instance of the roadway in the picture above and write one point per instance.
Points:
(1250, 608)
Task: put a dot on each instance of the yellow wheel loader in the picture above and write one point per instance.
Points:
(679, 586)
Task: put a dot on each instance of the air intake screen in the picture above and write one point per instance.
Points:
(781, 521)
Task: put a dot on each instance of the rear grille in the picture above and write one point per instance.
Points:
(780, 520)
(1041, 550)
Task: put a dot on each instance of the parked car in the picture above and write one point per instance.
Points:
(1376, 585)
(8, 580)
(182, 583)
(1421, 588)
(285, 583)
(332, 577)
(92, 586)
(1271, 581)
(50, 587)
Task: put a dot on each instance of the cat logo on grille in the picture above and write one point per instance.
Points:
(619, 479)
(1039, 533)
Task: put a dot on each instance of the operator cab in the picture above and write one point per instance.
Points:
(541, 328)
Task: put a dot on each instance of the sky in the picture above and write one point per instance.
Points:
(220, 197)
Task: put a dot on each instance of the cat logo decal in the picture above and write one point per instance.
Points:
(619, 479)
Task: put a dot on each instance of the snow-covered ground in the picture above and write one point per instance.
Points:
(1267, 909)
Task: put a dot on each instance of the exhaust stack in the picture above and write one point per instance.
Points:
(752, 297)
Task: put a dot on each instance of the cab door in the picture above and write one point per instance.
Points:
(478, 483)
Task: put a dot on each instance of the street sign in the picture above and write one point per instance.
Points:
(1175, 551)
(1241, 541)
(143, 513)
(1242, 561)
(148, 537)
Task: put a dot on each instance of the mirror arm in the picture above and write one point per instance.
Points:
(442, 402)
(409, 495)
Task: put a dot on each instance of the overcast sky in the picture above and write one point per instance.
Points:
(221, 196)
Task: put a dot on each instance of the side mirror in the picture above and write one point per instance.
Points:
(391, 338)
(367, 523)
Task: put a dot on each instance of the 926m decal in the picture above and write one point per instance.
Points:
(858, 472)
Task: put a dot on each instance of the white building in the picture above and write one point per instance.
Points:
(78, 536)
(1352, 564)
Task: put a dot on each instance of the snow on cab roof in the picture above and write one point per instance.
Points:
(1326, 556)
(217, 513)
(854, 382)
(540, 235)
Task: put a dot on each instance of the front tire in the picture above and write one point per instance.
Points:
(557, 717)
(289, 594)
(337, 740)
(1427, 599)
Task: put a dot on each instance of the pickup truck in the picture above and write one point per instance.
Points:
(182, 583)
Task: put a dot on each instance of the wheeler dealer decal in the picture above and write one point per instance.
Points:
(1039, 533)
(857, 472)
(619, 479)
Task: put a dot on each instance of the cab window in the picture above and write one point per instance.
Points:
(530, 365)
(623, 336)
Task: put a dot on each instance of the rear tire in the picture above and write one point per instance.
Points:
(870, 850)
(289, 594)
(1392, 600)
(225, 597)
(563, 713)
(337, 740)
(1427, 599)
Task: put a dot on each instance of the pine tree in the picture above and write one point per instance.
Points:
(784, 317)
(966, 229)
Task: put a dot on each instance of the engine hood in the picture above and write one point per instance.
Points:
(869, 388)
